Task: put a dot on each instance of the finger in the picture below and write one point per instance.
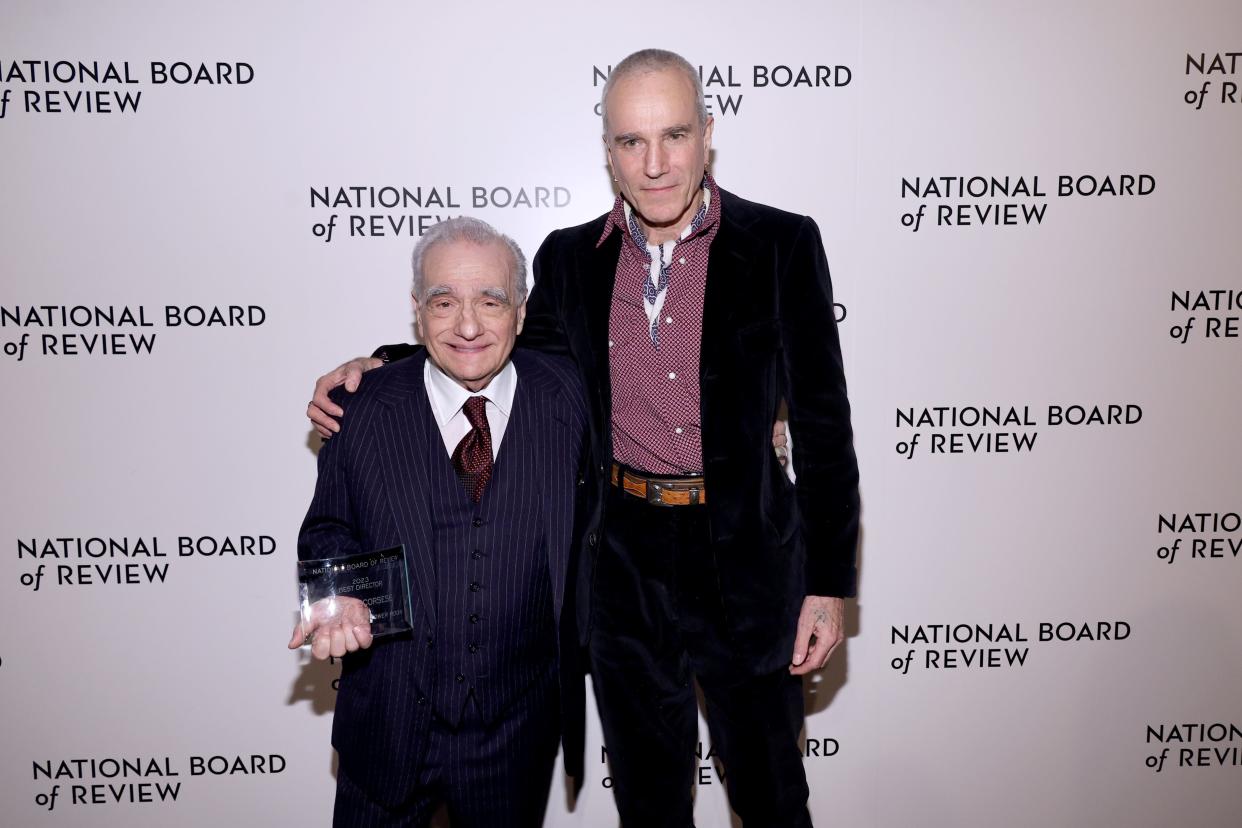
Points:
(818, 656)
(325, 384)
(299, 635)
(802, 640)
(351, 642)
(363, 634)
(338, 642)
(353, 376)
(322, 422)
(320, 645)
(322, 401)
(832, 650)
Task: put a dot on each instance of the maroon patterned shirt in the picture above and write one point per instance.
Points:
(654, 366)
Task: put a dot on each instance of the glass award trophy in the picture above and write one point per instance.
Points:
(371, 587)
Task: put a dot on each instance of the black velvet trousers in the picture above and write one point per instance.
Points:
(659, 624)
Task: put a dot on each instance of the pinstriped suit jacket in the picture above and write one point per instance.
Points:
(372, 493)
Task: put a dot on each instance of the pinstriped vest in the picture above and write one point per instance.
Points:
(495, 625)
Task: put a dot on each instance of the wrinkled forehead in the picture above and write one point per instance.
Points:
(468, 268)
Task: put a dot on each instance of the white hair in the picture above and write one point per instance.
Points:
(477, 231)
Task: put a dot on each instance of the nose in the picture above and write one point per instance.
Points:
(467, 326)
(655, 164)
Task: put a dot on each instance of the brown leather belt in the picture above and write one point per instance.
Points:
(660, 491)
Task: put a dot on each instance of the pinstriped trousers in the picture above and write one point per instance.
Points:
(488, 775)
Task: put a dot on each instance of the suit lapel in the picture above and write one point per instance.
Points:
(732, 260)
(598, 269)
(404, 443)
(545, 461)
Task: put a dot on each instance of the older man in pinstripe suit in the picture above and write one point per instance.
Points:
(470, 456)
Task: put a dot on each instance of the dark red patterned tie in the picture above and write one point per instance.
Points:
(473, 456)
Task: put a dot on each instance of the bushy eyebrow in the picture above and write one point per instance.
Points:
(499, 294)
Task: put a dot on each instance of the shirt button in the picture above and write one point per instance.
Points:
(668, 320)
(677, 430)
(477, 522)
(474, 586)
(672, 375)
(460, 678)
(474, 618)
(610, 343)
(682, 260)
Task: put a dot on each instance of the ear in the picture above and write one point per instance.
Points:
(707, 140)
(608, 151)
(521, 315)
(418, 319)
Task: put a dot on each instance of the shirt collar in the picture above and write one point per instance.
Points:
(622, 213)
(447, 397)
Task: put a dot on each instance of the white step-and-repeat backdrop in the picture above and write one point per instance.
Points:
(1032, 214)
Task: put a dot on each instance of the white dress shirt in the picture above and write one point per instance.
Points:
(447, 399)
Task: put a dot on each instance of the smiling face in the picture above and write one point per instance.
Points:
(467, 316)
(657, 149)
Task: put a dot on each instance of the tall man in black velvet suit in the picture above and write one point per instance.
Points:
(470, 457)
(691, 315)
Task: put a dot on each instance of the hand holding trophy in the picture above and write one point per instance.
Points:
(345, 603)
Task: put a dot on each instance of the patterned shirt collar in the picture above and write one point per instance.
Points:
(623, 218)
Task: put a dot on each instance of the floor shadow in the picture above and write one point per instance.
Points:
(315, 683)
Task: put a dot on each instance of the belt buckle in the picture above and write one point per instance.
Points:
(655, 493)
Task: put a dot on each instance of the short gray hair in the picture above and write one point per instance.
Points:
(476, 231)
(655, 60)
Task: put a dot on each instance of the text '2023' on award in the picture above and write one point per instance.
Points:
(368, 588)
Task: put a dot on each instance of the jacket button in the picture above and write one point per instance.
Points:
(593, 540)
(474, 586)
(474, 648)
(422, 699)
(460, 678)
(476, 554)
(430, 641)
(474, 618)
(477, 522)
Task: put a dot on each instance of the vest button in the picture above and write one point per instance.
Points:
(460, 678)
(474, 586)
